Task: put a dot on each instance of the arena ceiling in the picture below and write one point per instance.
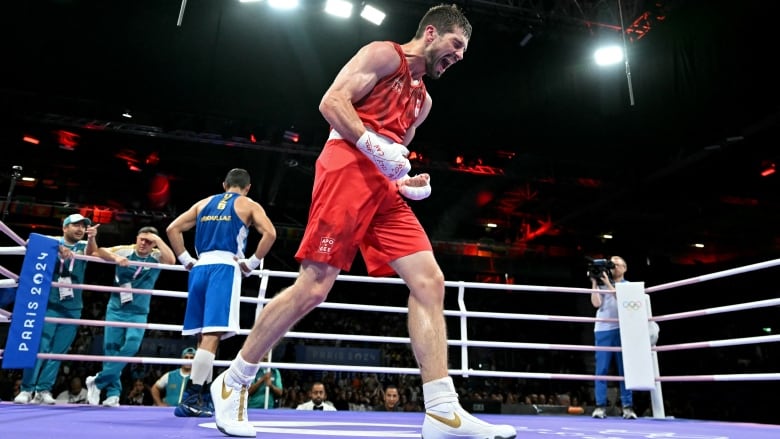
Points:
(554, 151)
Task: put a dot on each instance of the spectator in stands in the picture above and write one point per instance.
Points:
(173, 382)
(77, 394)
(391, 399)
(318, 399)
(266, 388)
(139, 394)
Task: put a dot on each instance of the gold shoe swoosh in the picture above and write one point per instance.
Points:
(225, 392)
(454, 422)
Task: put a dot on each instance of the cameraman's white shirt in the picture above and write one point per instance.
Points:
(607, 310)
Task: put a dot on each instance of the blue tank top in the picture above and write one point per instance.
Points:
(218, 226)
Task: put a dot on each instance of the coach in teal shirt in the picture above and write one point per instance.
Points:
(64, 302)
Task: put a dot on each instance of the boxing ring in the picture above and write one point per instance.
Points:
(84, 421)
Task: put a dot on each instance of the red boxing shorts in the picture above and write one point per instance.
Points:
(355, 207)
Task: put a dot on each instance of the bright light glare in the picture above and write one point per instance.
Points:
(372, 14)
(249, 1)
(608, 55)
(339, 8)
(283, 4)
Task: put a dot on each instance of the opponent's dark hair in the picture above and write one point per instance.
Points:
(445, 18)
(237, 177)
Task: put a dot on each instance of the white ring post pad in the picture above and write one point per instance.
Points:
(634, 336)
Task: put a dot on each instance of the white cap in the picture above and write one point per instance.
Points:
(76, 218)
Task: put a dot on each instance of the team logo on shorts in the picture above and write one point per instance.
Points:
(326, 244)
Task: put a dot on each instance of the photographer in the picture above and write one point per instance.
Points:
(604, 275)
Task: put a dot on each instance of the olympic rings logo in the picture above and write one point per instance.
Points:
(632, 305)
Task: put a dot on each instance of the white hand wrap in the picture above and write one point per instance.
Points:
(253, 262)
(414, 192)
(185, 258)
(389, 157)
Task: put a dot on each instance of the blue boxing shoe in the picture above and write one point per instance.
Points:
(194, 403)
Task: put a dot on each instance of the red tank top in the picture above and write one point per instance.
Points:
(394, 103)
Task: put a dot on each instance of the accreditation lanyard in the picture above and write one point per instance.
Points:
(126, 296)
(70, 267)
(66, 293)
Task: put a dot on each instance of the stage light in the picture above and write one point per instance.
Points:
(372, 14)
(67, 140)
(30, 139)
(153, 159)
(338, 8)
(768, 169)
(608, 55)
(292, 136)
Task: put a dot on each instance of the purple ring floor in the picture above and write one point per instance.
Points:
(87, 422)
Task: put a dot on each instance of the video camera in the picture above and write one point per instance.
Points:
(596, 267)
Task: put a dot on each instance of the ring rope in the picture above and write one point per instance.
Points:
(344, 337)
(719, 309)
(725, 377)
(335, 367)
(9, 274)
(115, 324)
(13, 251)
(11, 234)
(720, 343)
(716, 275)
(354, 307)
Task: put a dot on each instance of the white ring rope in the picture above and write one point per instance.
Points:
(716, 275)
(11, 234)
(8, 273)
(717, 310)
(13, 251)
(719, 343)
(358, 307)
(725, 377)
(333, 367)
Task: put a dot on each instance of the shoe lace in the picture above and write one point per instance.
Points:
(241, 407)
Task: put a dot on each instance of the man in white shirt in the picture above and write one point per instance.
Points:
(76, 395)
(317, 401)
